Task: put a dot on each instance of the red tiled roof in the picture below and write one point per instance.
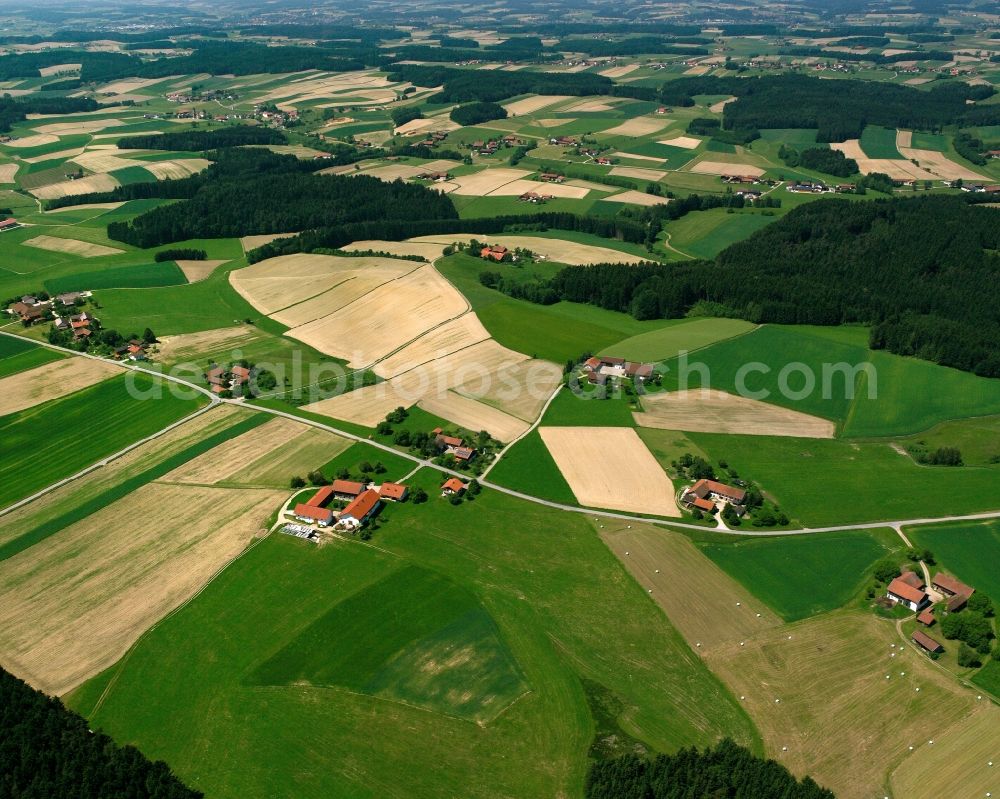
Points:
(453, 484)
(393, 490)
(321, 497)
(899, 587)
(912, 578)
(705, 487)
(347, 487)
(312, 512)
(951, 585)
(362, 506)
(463, 453)
(926, 617)
(924, 640)
(703, 504)
(593, 362)
(449, 441)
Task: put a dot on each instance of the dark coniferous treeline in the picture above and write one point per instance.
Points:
(462, 85)
(921, 271)
(475, 113)
(48, 752)
(249, 192)
(16, 109)
(727, 771)
(839, 109)
(198, 140)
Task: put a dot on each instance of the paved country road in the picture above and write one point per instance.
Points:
(423, 462)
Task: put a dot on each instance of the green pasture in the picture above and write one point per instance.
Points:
(53, 440)
(867, 393)
(704, 234)
(138, 276)
(356, 454)
(14, 359)
(821, 482)
(799, 576)
(978, 439)
(878, 142)
(133, 174)
(529, 467)
(558, 608)
(683, 335)
(969, 550)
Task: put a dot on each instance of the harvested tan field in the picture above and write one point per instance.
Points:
(474, 415)
(590, 185)
(252, 242)
(697, 70)
(717, 108)
(819, 688)
(367, 406)
(554, 122)
(439, 342)
(519, 187)
(904, 138)
(638, 172)
(520, 390)
(684, 142)
(415, 126)
(959, 757)
(603, 104)
(917, 81)
(673, 567)
(83, 126)
(391, 172)
(276, 283)
(245, 452)
(479, 184)
(892, 51)
(37, 140)
(636, 157)
(561, 250)
(719, 412)
(129, 85)
(895, 168)
(84, 249)
(87, 206)
(59, 156)
(640, 126)
(385, 319)
(637, 198)
(199, 270)
(302, 451)
(7, 172)
(723, 168)
(174, 170)
(619, 72)
(53, 380)
(104, 161)
(610, 467)
(428, 251)
(534, 103)
(70, 188)
(194, 346)
(940, 164)
(72, 607)
(358, 277)
(55, 69)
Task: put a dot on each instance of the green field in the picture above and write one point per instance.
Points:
(969, 550)
(553, 332)
(684, 335)
(188, 691)
(905, 395)
(18, 355)
(53, 440)
(133, 174)
(373, 644)
(803, 575)
(139, 276)
(822, 482)
(529, 467)
(879, 142)
(704, 234)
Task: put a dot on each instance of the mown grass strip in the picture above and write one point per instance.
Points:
(123, 489)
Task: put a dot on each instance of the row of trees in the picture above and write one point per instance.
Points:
(198, 140)
(821, 159)
(16, 109)
(921, 271)
(725, 770)
(48, 751)
(476, 113)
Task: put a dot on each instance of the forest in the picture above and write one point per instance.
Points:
(822, 159)
(255, 191)
(48, 751)
(934, 294)
(727, 771)
(16, 109)
(838, 109)
(199, 140)
(475, 113)
(461, 85)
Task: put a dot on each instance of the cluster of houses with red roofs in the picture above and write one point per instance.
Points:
(910, 591)
(363, 502)
(31, 309)
(600, 368)
(452, 445)
(704, 495)
(221, 380)
(495, 252)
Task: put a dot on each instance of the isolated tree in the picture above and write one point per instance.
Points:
(297, 482)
